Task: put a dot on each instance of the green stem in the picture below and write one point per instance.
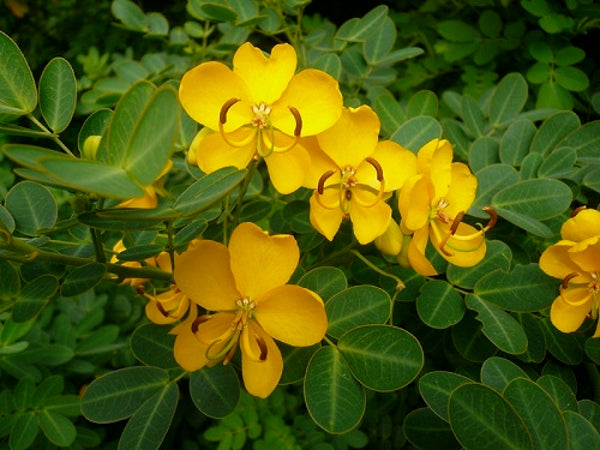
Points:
(51, 135)
(329, 341)
(19, 250)
(399, 284)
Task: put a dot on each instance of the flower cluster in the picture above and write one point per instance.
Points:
(576, 261)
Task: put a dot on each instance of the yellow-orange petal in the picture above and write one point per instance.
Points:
(390, 242)
(461, 193)
(188, 351)
(316, 96)
(204, 275)
(292, 314)
(352, 138)
(146, 201)
(326, 221)
(260, 376)
(465, 248)
(166, 307)
(434, 160)
(206, 88)
(414, 202)
(397, 163)
(416, 253)
(556, 262)
(265, 76)
(583, 226)
(320, 163)
(368, 222)
(211, 152)
(216, 329)
(287, 170)
(568, 318)
(586, 254)
(260, 262)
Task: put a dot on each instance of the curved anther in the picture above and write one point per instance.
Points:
(377, 168)
(298, 119)
(225, 108)
(198, 321)
(456, 222)
(262, 345)
(377, 198)
(297, 132)
(223, 119)
(163, 311)
(493, 217)
(322, 180)
(565, 281)
(578, 210)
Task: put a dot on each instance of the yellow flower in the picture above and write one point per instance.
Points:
(576, 260)
(352, 172)
(260, 108)
(244, 285)
(432, 204)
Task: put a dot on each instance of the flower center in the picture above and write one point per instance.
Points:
(261, 115)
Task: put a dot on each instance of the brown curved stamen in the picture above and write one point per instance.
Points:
(578, 210)
(322, 180)
(493, 217)
(297, 132)
(196, 323)
(164, 312)
(223, 119)
(456, 222)
(225, 108)
(298, 119)
(262, 345)
(377, 168)
(565, 281)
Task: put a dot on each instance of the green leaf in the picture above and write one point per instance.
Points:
(82, 278)
(295, 360)
(10, 282)
(531, 402)
(325, 281)
(416, 132)
(498, 326)
(58, 94)
(30, 155)
(356, 30)
(558, 164)
(458, 31)
(424, 429)
(560, 392)
(422, 103)
(491, 179)
(554, 130)
(439, 305)
(482, 419)
(149, 424)
(95, 125)
(382, 357)
(508, 99)
(334, 399)
(591, 411)
(582, 434)
(469, 340)
(158, 25)
(99, 341)
(355, 306)
(436, 388)
(473, 116)
(539, 73)
(390, 113)
(585, 141)
(58, 429)
(24, 431)
(130, 14)
(32, 206)
(490, 23)
(215, 391)
(120, 219)
(541, 51)
(18, 95)
(330, 63)
(153, 345)
(218, 12)
(377, 45)
(455, 132)
(564, 347)
(552, 95)
(33, 297)
(208, 190)
(483, 153)
(497, 372)
(400, 54)
(536, 343)
(515, 142)
(117, 395)
(572, 78)
(51, 386)
(525, 289)
(497, 256)
(567, 56)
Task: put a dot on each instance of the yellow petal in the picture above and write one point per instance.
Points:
(583, 226)
(166, 307)
(568, 318)
(434, 160)
(465, 248)
(316, 96)
(556, 261)
(326, 221)
(206, 88)
(260, 262)
(215, 329)
(146, 201)
(204, 275)
(266, 77)
(586, 254)
(320, 163)
(188, 351)
(260, 376)
(287, 170)
(576, 295)
(368, 222)
(390, 242)
(414, 202)
(211, 152)
(461, 193)
(292, 314)
(416, 253)
(397, 163)
(352, 138)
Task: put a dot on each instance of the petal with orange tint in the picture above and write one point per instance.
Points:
(211, 152)
(266, 77)
(461, 194)
(465, 248)
(316, 96)
(188, 351)
(287, 170)
(368, 222)
(260, 375)
(568, 318)
(320, 163)
(166, 307)
(577, 295)
(352, 138)
(206, 88)
(434, 160)
(414, 202)
(416, 253)
(556, 261)
(326, 219)
(204, 275)
(583, 226)
(260, 262)
(586, 254)
(216, 328)
(292, 314)
(390, 242)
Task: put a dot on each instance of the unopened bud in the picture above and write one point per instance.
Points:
(90, 146)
